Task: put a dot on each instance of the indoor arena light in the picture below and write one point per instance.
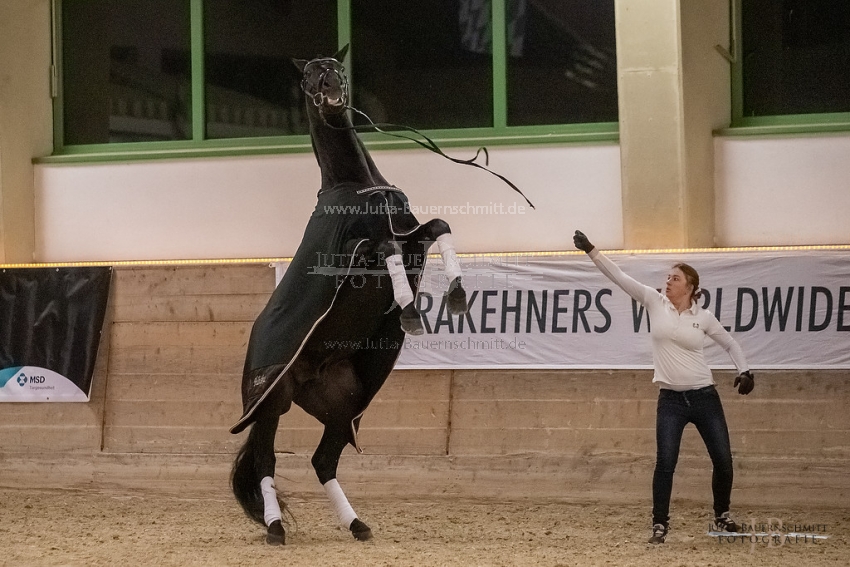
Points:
(226, 261)
(141, 263)
(664, 251)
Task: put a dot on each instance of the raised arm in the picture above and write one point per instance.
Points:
(638, 291)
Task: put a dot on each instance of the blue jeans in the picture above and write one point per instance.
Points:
(701, 407)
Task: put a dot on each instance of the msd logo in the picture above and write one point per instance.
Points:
(23, 379)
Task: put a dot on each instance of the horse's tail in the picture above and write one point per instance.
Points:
(245, 480)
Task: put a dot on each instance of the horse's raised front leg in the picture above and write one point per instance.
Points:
(325, 461)
(438, 230)
(410, 320)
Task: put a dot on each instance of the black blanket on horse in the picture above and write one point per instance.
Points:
(335, 253)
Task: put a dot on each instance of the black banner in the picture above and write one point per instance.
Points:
(51, 320)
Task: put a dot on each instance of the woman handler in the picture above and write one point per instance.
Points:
(687, 393)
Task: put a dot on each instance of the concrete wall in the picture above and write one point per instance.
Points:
(769, 192)
(257, 207)
(26, 122)
(166, 389)
(782, 189)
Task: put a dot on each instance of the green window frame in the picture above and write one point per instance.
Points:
(741, 125)
(198, 146)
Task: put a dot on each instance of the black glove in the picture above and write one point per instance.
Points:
(744, 382)
(581, 242)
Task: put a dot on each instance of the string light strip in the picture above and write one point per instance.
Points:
(539, 254)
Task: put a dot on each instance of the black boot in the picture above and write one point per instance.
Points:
(659, 533)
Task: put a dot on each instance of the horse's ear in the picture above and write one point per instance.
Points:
(340, 55)
(300, 63)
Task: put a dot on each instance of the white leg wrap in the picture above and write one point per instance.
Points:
(272, 507)
(447, 251)
(340, 504)
(401, 287)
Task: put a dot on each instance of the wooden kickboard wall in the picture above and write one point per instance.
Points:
(169, 368)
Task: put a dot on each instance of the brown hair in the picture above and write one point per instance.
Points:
(693, 278)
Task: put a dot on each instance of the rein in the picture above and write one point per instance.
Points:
(430, 145)
(318, 99)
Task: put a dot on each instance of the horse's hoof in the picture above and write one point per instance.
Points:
(360, 531)
(276, 534)
(456, 298)
(411, 322)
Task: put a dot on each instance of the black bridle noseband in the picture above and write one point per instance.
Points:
(327, 65)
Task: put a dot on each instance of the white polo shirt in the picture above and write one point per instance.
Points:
(677, 338)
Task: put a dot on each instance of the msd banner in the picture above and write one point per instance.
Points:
(50, 326)
(786, 309)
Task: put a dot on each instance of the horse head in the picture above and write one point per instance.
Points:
(324, 82)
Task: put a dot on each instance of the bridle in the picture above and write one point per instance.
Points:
(328, 65)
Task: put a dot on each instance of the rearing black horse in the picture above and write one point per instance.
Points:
(334, 326)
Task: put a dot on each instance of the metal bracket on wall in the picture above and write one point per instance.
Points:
(725, 53)
(731, 54)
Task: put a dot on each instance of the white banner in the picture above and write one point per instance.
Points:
(36, 384)
(786, 309)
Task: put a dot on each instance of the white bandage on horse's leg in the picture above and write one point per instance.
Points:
(447, 252)
(401, 287)
(340, 504)
(270, 503)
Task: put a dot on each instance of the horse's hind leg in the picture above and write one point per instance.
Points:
(265, 428)
(263, 433)
(325, 461)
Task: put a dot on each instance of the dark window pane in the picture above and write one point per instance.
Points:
(420, 63)
(562, 66)
(252, 87)
(126, 71)
(796, 56)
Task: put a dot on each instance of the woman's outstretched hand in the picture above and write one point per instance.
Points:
(744, 382)
(581, 242)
